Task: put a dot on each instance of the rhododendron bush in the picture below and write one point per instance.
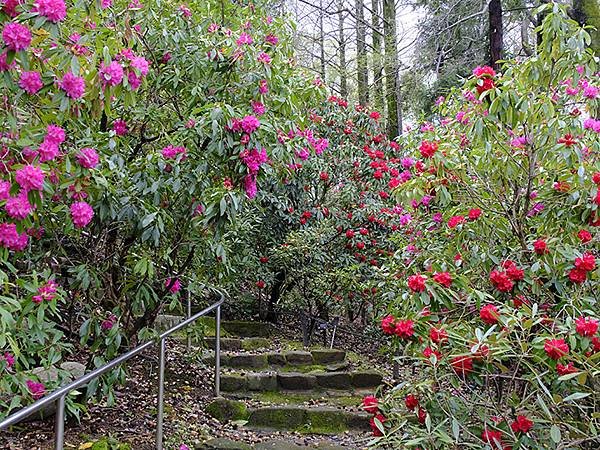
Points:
(132, 135)
(497, 280)
(318, 238)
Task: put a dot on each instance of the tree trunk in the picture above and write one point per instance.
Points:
(587, 12)
(342, 51)
(496, 33)
(321, 41)
(276, 292)
(394, 114)
(377, 57)
(362, 70)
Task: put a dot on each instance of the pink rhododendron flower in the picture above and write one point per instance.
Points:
(171, 152)
(263, 87)
(112, 74)
(18, 207)
(134, 81)
(264, 58)
(46, 292)
(30, 82)
(108, 324)
(105, 4)
(4, 66)
(53, 10)
(10, 7)
(73, 85)
(244, 39)
(141, 64)
(213, 27)
(11, 239)
(88, 158)
(81, 214)
(17, 37)
(250, 124)
(37, 390)
(4, 189)
(185, 11)
(271, 39)
(175, 287)
(48, 151)
(30, 178)
(484, 71)
(556, 348)
(250, 185)
(8, 358)
(120, 127)
(55, 134)
(258, 108)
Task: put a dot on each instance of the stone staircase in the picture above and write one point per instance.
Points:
(287, 389)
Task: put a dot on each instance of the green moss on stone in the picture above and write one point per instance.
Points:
(225, 410)
(279, 398)
(323, 421)
(255, 343)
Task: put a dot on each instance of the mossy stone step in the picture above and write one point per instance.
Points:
(246, 329)
(298, 381)
(313, 420)
(223, 444)
(289, 358)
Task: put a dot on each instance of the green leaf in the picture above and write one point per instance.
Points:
(555, 434)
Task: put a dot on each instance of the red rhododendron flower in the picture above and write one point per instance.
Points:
(260, 284)
(428, 352)
(492, 437)
(485, 84)
(417, 283)
(411, 401)
(443, 278)
(584, 236)
(388, 324)
(474, 213)
(454, 221)
(521, 424)
(556, 348)
(370, 404)
(565, 369)
(489, 314)
(586, 326)
(462, 365)
(540, 247)
(324, 176)
(596, 178)
(405, 329)
(577, 275)
(422, 415)
(519, 300)
(512, 271)
(501, 281)
(484, 71)
(587, 262)
(568, 140)
(376, 431)
(349, 234)
(438, 335)
(428, 148)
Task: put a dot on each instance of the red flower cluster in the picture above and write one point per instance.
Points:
(583, 265)
(521, 424)
(501, 281)
(586, 326)
(556, 348)
(428, 148)
(438, 335)
(489, 314)
(416, 283)
(540, 247)
(404, 329)
(371, 405)
(443, 278)
(462, 365)
(584, 236)
(454, 221)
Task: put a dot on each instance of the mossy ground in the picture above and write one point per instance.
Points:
(284, 398)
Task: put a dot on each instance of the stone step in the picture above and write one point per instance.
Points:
(272, 444)
(279, 359)
(297, 381)
(303, 419)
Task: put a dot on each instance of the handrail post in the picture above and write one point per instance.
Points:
(161, 395)
(218, 352)
(189, 314)
(59, 424)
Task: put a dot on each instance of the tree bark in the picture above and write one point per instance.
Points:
(392, 83)
(496, 33)
(342, 51)
(362, 70)
(377, 57)
(321, 41)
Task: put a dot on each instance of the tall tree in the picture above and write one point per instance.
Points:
(342, 50)
(392, 83)
(587, 12)
(377, 57)
(496, 32)
(362, 69)
(321, 41)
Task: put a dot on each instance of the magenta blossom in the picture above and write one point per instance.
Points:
(37, 390)
(111, 75)
(46, 292)
(81, 214)
(17, 37)
(30, 178)
(31, 82)
(175, 286)
(73, 85)
(120, 127)
(12, 240)
(88, 158)
(53, 10)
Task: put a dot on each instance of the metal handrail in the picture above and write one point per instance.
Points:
(61, 393)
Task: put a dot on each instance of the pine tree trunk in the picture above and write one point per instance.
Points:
(342, 51)
(321, 41)
(362, 70)
(394, 115)
(496, 33)
(377, 57)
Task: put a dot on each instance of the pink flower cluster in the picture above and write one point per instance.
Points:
(592, 124)
(73, 85)
(88, 158)
(30, 82)
(175, 287)
(11, 239)
(45, 292)
(17, 37)
(171, 152)
(53, 10)
(81, 214)
(253, 159)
